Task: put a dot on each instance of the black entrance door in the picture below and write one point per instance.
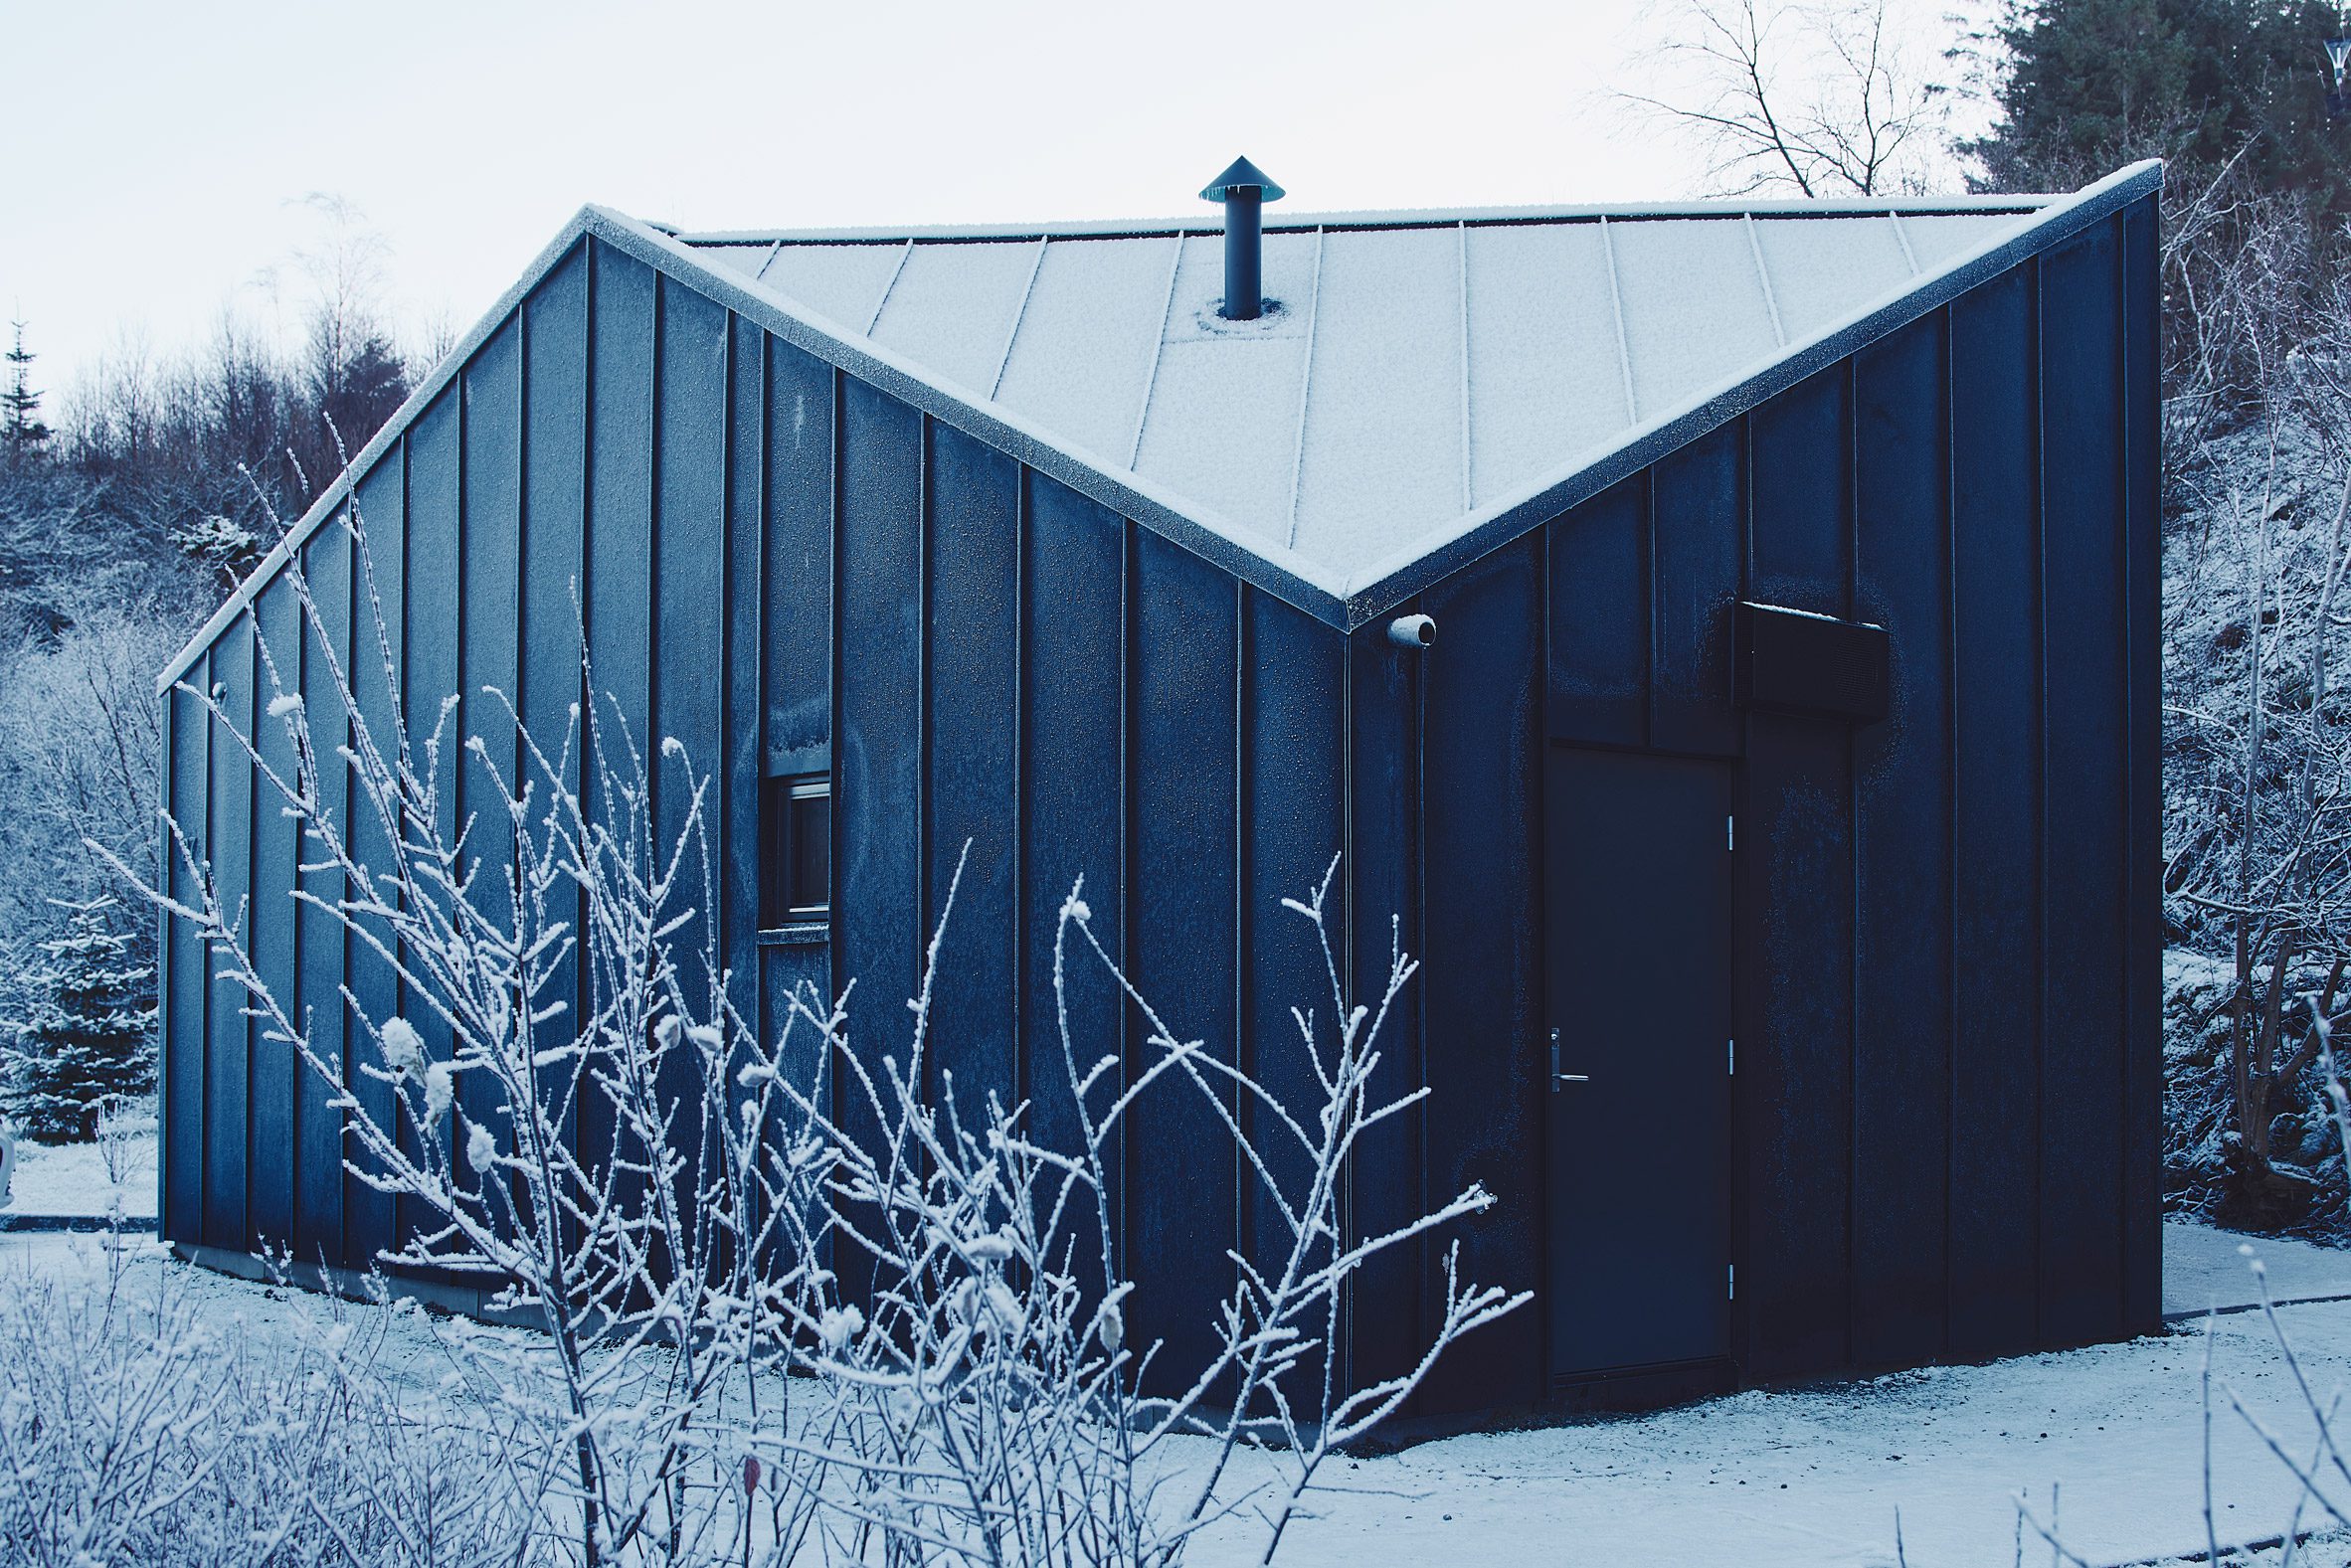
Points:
(1639, 888)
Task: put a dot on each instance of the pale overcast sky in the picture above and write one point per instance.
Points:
(159, 152)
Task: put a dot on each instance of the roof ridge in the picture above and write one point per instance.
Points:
(1378, 218)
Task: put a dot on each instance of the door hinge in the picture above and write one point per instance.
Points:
(1732, 1050)
(1731, 832)
(1731, 1282)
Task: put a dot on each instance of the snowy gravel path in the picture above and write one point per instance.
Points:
(1772, 1479)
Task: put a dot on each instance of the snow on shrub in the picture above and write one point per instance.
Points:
(797, 1304)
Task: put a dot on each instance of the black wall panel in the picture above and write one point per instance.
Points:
(489, 646)
(689, 592)
(2085, 804)
(689, 553)
(1700, 553)
(972, 776)
(1902, 855)
(1480, 761)
(1293, 790)
(620, 579)
(798, 599)
(1598, 642)
(1182, 904)
(186, 974)
(1072, 804)
(378, 642)
(1996, 821)
(877, 826)
(183, 1164)
(553, 571)
(1388, 1181)
(1797, 887)
(794, 714)
(319, 1151)
(2140, 407)
(271, 1133)
(1800, 529)
(737, 835)
(228, 840)
(436, 547)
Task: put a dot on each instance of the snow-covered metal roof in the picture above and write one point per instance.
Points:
(1435, 383)
(1413, 369)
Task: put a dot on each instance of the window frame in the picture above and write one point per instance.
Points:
(781, 810)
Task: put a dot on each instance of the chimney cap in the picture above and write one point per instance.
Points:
(1243, 176)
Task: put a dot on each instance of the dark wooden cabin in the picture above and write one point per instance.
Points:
(1775, 807)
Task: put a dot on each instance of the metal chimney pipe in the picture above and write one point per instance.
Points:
(1244, 253)
(1244, 190)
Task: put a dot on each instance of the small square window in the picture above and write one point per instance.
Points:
(794, 850)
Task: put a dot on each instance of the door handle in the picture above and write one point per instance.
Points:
(1557, 1077)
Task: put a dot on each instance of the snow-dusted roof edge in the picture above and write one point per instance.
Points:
(1389, 583)
(1289, 576)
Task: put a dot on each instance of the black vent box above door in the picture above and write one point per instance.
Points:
(1794, 662)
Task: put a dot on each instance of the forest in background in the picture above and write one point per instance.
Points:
(132, 499)
(131, 503)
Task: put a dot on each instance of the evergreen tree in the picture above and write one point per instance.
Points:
(88, 1034)
(20, 405)
(2086, 85)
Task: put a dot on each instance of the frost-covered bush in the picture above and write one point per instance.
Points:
(797, 1305)
(139, 1429)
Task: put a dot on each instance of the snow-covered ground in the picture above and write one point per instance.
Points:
(1811, 1477)
(72, 1179)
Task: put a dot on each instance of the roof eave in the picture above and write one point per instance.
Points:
(1385, 585)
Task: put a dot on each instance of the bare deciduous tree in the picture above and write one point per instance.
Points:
(1826, 100)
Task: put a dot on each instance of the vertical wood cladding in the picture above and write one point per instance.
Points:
(1481, 795)
(1946, 1064)
(1949, 1057)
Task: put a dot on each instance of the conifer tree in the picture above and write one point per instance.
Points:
(2086, 85)
(86, 1036)
(20, 404)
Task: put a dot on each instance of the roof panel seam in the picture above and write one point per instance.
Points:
(1899, 234)
(888, 285)
(1306, 377)
(1013, 330)
(1159, 343)
(1461, 274)
(1780, 333)
(1624, 353)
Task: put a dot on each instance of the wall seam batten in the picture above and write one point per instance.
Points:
(2039, 434)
